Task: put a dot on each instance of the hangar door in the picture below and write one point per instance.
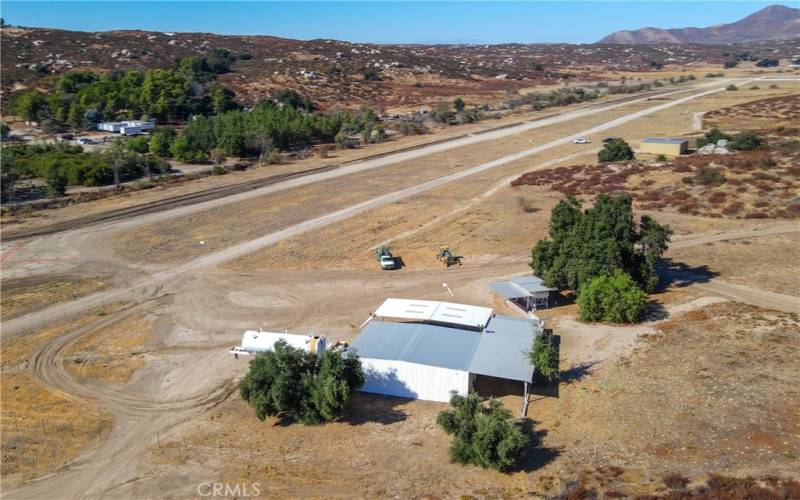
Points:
(412, 380)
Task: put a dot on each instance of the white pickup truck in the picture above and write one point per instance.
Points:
(387, 262)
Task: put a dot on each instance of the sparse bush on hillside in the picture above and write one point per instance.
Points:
(767, 63)
(731, 87)
(713, 136)
(746, 141)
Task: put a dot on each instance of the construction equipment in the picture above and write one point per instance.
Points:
(446, 257)
(385, 258)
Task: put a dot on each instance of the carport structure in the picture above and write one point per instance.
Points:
(441, 354)
(525, 292)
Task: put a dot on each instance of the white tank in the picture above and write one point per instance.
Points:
(260, 341)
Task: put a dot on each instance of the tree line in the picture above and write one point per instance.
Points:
(80, 99)
(61, 165)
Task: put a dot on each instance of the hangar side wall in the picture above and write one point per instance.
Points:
(411, 380)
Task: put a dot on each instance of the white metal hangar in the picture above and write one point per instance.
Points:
(442, 349)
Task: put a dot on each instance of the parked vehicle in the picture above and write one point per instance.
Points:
(609, 139)
(581, 140)
(385, 258)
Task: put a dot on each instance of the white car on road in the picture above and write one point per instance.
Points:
(581, 140)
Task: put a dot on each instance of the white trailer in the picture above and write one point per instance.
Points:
(255, 342)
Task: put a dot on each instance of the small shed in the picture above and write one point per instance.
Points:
(666, 147)
(528, 293)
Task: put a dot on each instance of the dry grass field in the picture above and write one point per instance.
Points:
(42, 429)
(765, 263)
(23, 296)
(620, 426)
(111, 354)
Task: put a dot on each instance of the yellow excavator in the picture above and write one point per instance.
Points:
(446, 257)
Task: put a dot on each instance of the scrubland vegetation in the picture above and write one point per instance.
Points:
(759, 181)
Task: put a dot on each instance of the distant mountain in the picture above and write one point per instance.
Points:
(773, 22)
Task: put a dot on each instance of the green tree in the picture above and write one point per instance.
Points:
(584, 245)
(31, 106)
(459, 104)
(4, 130)
(612, 298)
(56, 182)
(483, 434)
(221, 100)
(139, 144)
(616, 150)
(160, 142)
(544, 357)
(290, 383)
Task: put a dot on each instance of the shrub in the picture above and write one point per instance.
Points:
(56, 182)
(544, 357)
(291, 383)
(611, 299)
(218, 169)
(731, 87)
(713, 136)
(774, 86)
(661, 158)
(746, 141)
(616, 150)
(483, 434)
(709, 176)
(325, 150)
(675, 481)
(754, 87)
(766, 63)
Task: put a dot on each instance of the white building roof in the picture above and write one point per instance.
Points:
(440, 312)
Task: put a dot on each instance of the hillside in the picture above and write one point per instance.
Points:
(336, 73)
(770, 23)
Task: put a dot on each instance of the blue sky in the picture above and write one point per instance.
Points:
(383, 22)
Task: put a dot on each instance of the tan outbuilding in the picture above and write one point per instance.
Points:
(666, 147)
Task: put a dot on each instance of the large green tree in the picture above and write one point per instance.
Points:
(289, 382)
(483, 434)
(597, 241)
